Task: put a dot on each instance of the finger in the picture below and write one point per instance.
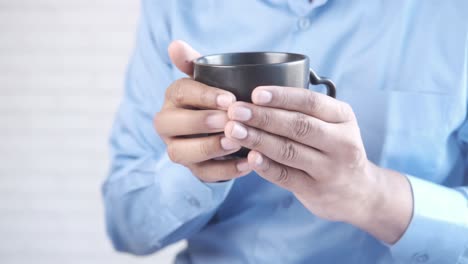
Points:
(279, 149)
(308, 102)
(194, 150)
(289, 178)
(182, 55)
(221, 170)
(297, 126)
(183, 122)
(186, 92)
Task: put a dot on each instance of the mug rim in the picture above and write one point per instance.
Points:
(301, 58)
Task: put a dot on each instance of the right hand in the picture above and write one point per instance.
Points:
(190, 109)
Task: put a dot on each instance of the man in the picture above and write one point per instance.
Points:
(374, 176)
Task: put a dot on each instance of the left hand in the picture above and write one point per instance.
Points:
(310, 144)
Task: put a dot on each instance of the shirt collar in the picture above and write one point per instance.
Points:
(303, 7)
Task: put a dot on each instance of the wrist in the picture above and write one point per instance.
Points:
(388, 206)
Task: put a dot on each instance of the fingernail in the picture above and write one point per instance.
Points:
(243, 166)
(227, 144)
(216, 121)
(263, 97)
(224, 100)
(241, 113)
(238, 131)
(259, 160)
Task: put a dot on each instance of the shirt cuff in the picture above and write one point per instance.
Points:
(186, 196)
(438, 231)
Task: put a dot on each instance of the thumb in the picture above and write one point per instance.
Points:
(181, 55)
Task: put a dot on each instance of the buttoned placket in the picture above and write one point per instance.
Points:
(302, 9)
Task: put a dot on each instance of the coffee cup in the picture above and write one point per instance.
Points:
(241, 73)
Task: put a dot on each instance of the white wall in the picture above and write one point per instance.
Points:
(61, 76)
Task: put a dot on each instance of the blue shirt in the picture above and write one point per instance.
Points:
(401, 65)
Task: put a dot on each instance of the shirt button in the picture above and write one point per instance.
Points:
(304, 23)
(193, 201)
(420, 257)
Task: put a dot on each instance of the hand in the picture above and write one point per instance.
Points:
(310, 144)
(190, 109)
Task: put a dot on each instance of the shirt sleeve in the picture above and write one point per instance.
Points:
(149, 201)
(438, 231)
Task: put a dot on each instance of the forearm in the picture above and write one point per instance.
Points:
(389, 207)
(152, 206)
(418, 219)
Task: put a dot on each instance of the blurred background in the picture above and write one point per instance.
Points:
(62, 66)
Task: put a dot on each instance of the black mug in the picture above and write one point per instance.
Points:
(241, 73)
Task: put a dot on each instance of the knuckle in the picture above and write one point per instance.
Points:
(177, 94)
(354, 154)
(357, 155)
(205, 96)
(283, 176)
(288, 151)
(312, 102)
(283, 97)
(256, 140)
(205, 148)
(264, 119)
(301, 126)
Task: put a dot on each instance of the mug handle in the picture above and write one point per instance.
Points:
(316, 80)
